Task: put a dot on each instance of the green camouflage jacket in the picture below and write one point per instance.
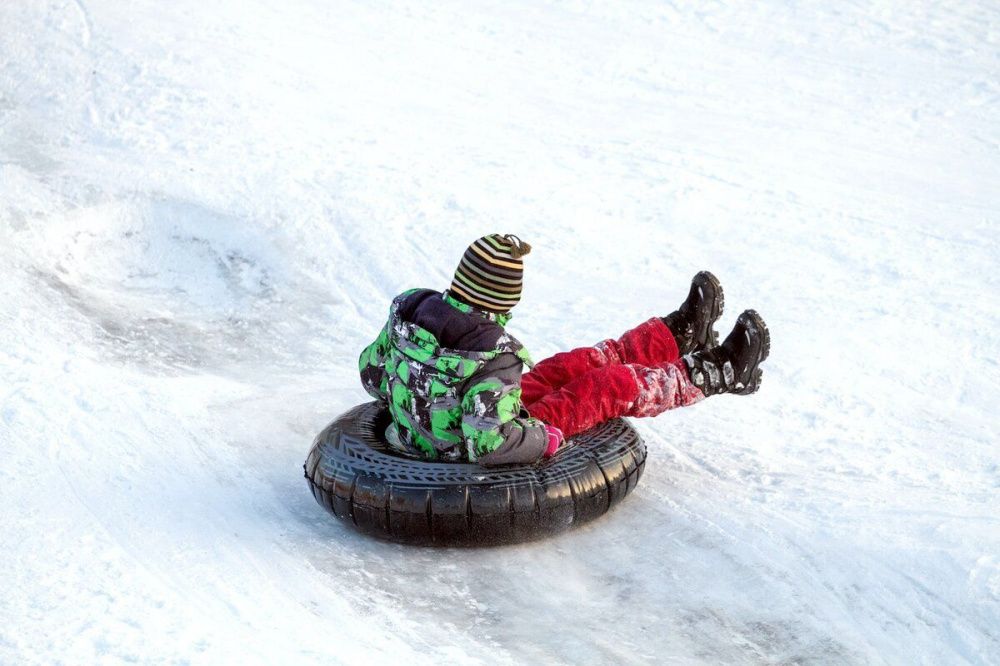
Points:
(451, 377)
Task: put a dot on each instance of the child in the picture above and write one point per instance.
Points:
(451, 374)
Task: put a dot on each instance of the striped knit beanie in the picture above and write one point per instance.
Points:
(490, 275)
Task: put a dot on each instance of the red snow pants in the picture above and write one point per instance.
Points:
(640, 374)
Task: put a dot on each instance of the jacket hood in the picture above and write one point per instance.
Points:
(413, 336)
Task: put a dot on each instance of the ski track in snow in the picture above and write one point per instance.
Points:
(205, 210)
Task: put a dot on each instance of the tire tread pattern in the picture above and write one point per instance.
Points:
(353, 475)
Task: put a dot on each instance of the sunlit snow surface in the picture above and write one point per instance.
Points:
(206, 207)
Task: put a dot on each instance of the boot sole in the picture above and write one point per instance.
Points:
(706, 279)
(753, 318)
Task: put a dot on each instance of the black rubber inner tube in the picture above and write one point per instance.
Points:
(354, 476)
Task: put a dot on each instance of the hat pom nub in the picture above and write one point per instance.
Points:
(518, 247)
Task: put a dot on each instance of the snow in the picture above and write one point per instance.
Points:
(205, 209)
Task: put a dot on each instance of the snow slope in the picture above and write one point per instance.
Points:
(206, 207)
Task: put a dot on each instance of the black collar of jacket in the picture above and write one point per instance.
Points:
(453, 327)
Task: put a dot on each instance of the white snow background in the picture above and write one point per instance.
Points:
(205, 208)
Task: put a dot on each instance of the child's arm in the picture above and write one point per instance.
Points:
(372, 366)
(494, 433)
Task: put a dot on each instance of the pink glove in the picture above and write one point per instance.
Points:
(555, 439)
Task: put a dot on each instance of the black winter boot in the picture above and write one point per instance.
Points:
(692, 323)
(733, 366)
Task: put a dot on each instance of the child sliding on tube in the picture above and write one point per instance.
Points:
(451, 374)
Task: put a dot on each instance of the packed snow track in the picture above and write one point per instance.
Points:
(205, 209)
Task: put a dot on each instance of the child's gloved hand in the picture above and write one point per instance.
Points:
(555, 439)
